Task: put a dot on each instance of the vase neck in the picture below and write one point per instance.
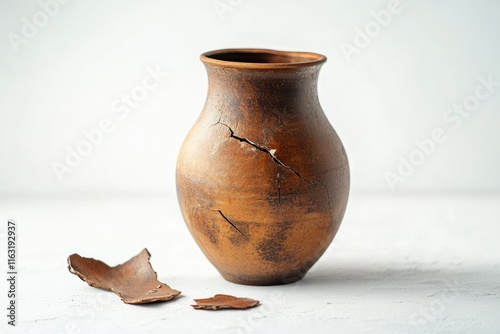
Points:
(284, 91)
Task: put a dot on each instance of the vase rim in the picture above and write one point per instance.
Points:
(261, 58)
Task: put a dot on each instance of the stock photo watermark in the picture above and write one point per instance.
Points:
(221, 7)
(252, 321)
(94, 137)
(30, 26)
(453, 117)
(12, 272)
(92, 307)
(371, 30)
(437, 308)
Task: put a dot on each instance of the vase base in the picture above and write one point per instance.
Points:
(262, 281)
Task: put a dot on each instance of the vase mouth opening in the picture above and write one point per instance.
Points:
(261, 58)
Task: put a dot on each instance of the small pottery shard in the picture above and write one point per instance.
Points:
(218, 302)
(134, 281)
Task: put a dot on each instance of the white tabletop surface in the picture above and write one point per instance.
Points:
(400, 263)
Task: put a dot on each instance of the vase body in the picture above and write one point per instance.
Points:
(262, 177)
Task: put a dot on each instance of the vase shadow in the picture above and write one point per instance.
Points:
(398, 277)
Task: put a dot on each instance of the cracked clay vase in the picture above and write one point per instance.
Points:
(262, 177)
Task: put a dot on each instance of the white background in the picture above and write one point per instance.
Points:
(395, 91)
(422, 258)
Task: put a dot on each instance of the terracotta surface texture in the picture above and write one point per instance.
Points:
(262, 177)
(220, 302)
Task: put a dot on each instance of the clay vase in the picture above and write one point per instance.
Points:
(262, 177)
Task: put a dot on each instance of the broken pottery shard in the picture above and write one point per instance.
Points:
(134, 281)
(218, 302)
